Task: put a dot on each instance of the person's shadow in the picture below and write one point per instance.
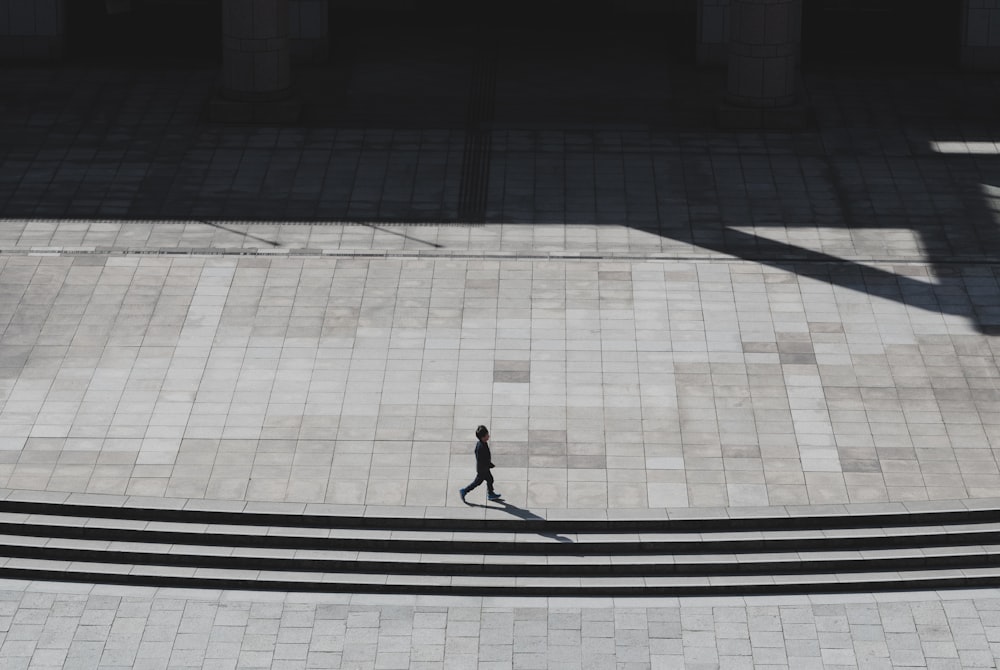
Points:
(520, 513)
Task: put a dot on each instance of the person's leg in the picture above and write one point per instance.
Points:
(492, 495)
(475, 482)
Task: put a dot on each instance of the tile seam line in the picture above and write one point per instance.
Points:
(491, 604)
(433, 512)
(423, 255)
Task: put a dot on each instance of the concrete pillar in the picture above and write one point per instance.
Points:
(32, 30)
(713, 32)
(118, 6)
(309, 31)
(256, 82)
(763, 72)
(981, 35)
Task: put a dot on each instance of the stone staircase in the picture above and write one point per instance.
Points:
(805, 553)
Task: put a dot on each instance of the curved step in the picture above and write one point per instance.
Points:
(521, 521)
(564, 586)
(583, 565)
(152, 548)
(499, 542)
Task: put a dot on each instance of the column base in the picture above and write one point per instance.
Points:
(789, 117)
(224, 110)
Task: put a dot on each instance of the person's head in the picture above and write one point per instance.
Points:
(483, 433)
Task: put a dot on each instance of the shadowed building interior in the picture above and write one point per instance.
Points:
(296, 61)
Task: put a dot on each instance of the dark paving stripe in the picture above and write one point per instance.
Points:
(502, 542)
(481, 586)
(608, 565)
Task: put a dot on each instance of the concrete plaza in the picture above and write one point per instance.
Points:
(357, 376)
(649, 320)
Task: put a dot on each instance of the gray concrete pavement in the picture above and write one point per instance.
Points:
(646, 318)
(607, 383)
(63, 626)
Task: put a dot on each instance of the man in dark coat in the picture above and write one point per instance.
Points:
(483, 465)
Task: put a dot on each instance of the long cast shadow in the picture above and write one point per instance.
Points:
(524, 514)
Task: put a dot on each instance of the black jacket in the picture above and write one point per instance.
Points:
(483, 462)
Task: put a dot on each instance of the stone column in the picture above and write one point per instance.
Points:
(118, 6)
(309, 22)
(256, 83)
(32, 30)
(763, 73)
(981, 35)
(713, 32)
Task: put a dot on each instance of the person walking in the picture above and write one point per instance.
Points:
(483, 465)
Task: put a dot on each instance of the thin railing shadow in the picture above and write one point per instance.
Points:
(243, 233)
(382, 229)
